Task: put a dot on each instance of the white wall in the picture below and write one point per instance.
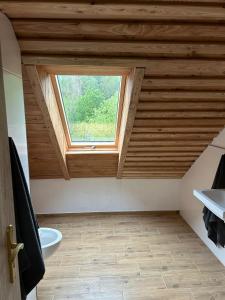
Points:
(13, 87)
(201, 176)
(104, 195)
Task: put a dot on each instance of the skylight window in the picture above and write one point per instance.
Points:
(91, 105)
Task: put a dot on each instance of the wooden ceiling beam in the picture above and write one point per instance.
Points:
(181, 106)
(123, 30)
(165, 150)
(160, 158)
(157, 169)
(131, 98)
(161, 155)
(45, 98)
(126, 49)
(180, 114)
(71, 10)
(170, 143)
(157, 164)
(159, 172)
(183, 84)
(208, 129)
(182, 96)
(161, 68)
(149, 174)
(171, 136)
(179, 122)
(152, 176)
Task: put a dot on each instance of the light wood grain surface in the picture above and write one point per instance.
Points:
(130, 256)
(44, 94)
(43, 161)
(180, 44)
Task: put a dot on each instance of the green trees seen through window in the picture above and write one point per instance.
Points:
(91, 106)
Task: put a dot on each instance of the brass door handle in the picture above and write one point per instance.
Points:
(13, 250)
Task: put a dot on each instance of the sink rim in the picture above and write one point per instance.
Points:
(210, 203)
(55, 241)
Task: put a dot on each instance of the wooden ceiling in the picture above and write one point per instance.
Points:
(43, 160)
(180, 105)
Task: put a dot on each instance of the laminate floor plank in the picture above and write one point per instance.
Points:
(129, 256)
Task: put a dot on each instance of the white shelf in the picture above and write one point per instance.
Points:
(214, 200)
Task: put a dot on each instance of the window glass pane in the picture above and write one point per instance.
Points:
(91, 106)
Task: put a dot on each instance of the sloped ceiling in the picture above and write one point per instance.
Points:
(181, 46)
(43, 161)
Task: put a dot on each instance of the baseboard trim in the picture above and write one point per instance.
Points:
(162, 212)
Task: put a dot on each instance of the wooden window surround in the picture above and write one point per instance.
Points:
(83, 70)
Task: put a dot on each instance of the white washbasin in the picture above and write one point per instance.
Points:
(214, 200)
(50, 239)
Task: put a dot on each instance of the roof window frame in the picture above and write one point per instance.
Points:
(89, 71)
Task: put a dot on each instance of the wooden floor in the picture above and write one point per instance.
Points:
(130, 257)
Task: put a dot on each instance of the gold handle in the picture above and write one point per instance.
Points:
(13, 250)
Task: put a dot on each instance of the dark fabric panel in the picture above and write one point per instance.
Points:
(31, 264)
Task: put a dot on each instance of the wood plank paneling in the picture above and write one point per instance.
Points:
(44, 94)
(179, 122)
(180, 114)
(170, 136)
(170, 143)
(58, 137)
(122, 30)
(43, 161)
(163, 155)
(179, 96)
(181, 106)
(157, 169)
(157, 163)
(172, 119)
(180, 44)
(159, 159)
(70, 10)
(38, 150)
(131, 98)
(163, 150)
(136, 49)
(161, 68)
(206, 129)
(184, 84)
(92, 164)
(152, 176)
